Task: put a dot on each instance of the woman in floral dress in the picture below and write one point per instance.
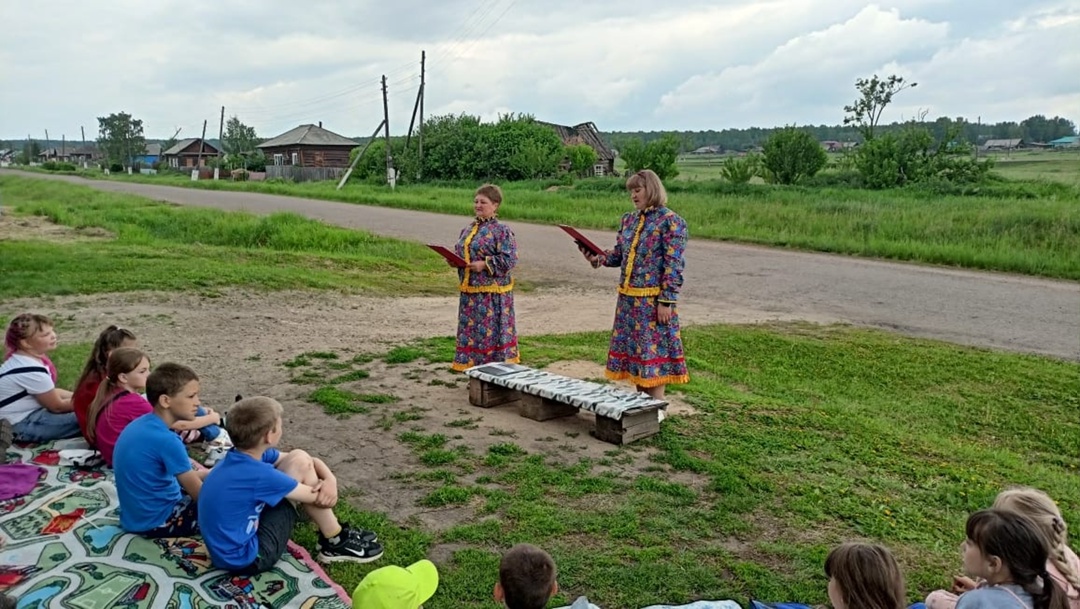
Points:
(486, 328)
(646, 346)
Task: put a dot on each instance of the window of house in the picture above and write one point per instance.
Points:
(598, 169)
(295, 159)
(279, 159)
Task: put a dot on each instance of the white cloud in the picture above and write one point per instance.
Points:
(624, 64)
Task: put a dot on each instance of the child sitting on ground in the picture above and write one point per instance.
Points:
(1063, 565)
(93, 373)
(527, 578)
(396, 588)
(1008, 553)
(37, 410)
(119, 400)
(156, 485)
(864, 576)
(245, 507)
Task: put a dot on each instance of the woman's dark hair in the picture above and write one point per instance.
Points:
(110, 338)
(1017, 542)
(868, 576)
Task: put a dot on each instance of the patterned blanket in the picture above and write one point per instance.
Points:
(65, 549)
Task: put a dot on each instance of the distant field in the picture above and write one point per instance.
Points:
(1050, 166)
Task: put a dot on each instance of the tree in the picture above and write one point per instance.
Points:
(741, 170)
(792, 154)
(659, 155)
(238, 139)
(121, 138)
(582, 158)
(29, 153)
(866, 112)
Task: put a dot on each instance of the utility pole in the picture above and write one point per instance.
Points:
(46, 145)
(221, 142)
(386, 130)
(28, 146)
(202, 144)
(85, 152)
(416, 106)
(356, 159)
(420, 131)
(63, 145)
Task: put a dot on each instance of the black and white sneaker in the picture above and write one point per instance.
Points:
(349, 545)
(362, 535)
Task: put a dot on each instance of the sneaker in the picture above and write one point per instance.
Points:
(348, 547)
(7, 436)
(363, 535)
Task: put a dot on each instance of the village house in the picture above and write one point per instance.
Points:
(586, 133)
(1009, 144)
(189, 153)
(1069, 141)
(308, 146)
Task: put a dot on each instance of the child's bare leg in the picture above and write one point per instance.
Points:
(299, 466)
(656, 393)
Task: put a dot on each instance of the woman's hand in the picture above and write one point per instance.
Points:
(963, 584)
(478, 266)
(594, 259)
(664, 313)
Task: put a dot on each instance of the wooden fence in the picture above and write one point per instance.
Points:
(304, 174)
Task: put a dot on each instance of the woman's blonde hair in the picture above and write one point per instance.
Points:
(655, 194)
(1041, 509)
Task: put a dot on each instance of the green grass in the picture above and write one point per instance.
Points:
(156, 246)
(806, 436)
(336, 401)
(1024, 227)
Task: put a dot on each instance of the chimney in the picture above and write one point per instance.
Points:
(320, 124)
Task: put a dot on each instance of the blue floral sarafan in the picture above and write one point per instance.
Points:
(649, 249)
(486, 331)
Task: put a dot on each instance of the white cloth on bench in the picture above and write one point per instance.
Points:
(603, 400)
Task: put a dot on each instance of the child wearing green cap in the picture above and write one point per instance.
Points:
(395, 587)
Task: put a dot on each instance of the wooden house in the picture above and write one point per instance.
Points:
(308, 146)
(587, 133)
(186, 153)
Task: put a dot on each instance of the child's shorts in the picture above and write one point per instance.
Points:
(183, 522)
(275, 527)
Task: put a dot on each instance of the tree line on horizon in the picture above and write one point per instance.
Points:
(1036, 128)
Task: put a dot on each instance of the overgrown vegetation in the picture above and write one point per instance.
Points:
(1028, 227)
(141, 244)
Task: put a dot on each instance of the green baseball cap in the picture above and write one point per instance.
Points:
(394, 587)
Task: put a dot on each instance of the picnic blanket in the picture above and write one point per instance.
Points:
(65, 549)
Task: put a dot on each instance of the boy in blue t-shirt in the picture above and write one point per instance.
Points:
(246, 508)
(156, 485)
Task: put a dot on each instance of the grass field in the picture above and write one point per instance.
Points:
(141, 244)
(806, 437)
(1025, 227)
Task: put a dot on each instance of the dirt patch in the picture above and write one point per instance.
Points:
(239, 340)
(39, 228)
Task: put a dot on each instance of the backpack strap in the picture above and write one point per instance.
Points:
(11, 399)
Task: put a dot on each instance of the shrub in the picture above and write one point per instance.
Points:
(740, 170)
(659, 155)
(790, 155)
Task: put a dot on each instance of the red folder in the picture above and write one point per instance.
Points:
(450, 256)
(581, 240)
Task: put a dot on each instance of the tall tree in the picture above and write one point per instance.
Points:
(238, 138)
(876, 93)
(121, 138)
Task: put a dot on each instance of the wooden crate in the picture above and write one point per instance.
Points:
(542, 409)
(486, 395)
(628, 429)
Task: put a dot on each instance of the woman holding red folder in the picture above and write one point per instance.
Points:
(486, 328)
(646, 346)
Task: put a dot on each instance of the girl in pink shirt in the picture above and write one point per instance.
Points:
(118, 401)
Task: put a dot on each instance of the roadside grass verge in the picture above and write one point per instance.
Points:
(1024, 227)
(157, 246)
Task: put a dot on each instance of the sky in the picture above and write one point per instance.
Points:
(627, 65)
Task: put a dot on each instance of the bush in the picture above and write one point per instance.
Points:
(659, 155)
(895, 160)
(58, 166)
(790, 155)
(116, 168)
(740, 170)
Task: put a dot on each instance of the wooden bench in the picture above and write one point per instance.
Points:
(621, 416)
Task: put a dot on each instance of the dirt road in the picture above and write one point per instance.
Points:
(739, 283)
